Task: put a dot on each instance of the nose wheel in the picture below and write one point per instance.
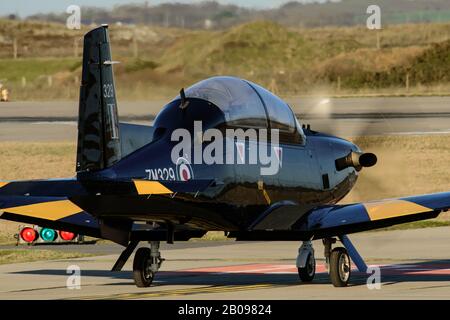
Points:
(306, 262)
(146, 263)
(308, 272)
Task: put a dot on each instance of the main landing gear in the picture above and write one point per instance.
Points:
(339, 266)
(147, 262)
(337, 261)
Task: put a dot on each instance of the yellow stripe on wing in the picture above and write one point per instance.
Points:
(393, 208)
(150, 187)
(2, 184)
(52, 210)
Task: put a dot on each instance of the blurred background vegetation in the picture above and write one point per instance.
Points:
(295, 49)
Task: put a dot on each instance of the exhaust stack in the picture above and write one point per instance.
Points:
(358, 160)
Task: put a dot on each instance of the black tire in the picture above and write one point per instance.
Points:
(308, 272)
(142, 275)
(340, 267)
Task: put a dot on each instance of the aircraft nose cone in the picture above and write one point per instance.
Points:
(356, 148)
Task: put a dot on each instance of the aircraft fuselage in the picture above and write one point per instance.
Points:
(307, 176)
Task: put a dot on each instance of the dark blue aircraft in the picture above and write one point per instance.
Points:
(131, 186)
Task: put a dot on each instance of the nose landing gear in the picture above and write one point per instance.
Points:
(306, 262)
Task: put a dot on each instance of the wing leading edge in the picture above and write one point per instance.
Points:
(344, 219)
(77, 188)
(338, 220)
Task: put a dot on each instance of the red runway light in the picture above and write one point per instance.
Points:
(28, 234)
(66, 235)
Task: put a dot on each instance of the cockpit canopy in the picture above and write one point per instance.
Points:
(238, 101)
(242, 104)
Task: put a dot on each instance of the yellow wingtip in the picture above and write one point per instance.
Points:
(393, 208)
(51, 210)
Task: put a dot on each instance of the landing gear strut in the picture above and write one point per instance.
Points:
(147, 262)
(337, 261)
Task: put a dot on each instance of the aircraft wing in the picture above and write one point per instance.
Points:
(345, 219)
(49, 203)
(289, 221)
(53, 212)
(73, 187)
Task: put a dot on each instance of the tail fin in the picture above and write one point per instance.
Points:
(98, 123)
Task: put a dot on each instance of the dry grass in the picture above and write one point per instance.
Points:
(7, 231)
(407, 165)
(30, 160)
(213, 236)
(36, 160)
(23, 255)
(396, 35)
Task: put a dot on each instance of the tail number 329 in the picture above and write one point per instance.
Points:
(108, 90)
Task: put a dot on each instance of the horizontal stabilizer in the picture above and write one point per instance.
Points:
(53, 212)
(134, 136)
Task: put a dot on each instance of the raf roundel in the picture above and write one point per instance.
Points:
(184, 170)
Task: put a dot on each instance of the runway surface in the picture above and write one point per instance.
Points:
(56, 121)
(414, 265)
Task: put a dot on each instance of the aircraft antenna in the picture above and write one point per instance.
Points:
(184, 102)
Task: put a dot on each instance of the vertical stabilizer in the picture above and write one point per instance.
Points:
(98, 123)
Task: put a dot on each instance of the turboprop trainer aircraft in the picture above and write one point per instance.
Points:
(188, 174)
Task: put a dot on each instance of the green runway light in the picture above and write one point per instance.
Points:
(48, 234)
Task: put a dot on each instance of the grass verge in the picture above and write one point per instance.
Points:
(24, 255)
(213, 236)
(417, 225)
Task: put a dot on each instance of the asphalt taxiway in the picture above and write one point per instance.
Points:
(415, 264)
(57, 120)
